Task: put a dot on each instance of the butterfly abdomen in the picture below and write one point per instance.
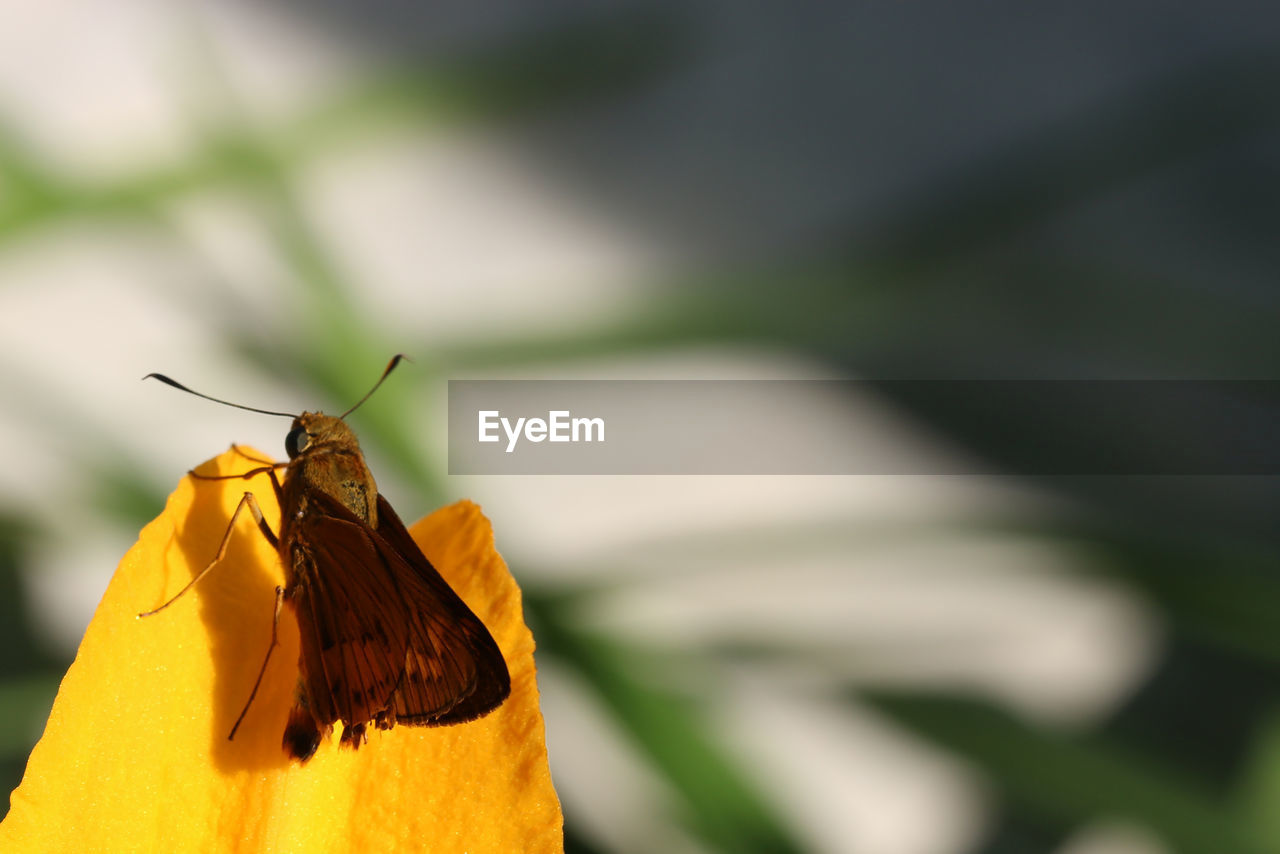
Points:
(301, 735)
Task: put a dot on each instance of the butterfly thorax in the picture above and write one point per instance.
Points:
(325, 457)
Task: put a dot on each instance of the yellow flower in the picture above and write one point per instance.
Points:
(135, 756)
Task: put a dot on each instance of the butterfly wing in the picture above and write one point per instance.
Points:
(353, 624)
(384, 638)
(454, 671)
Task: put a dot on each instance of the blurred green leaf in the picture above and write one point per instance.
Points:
(1260, 788)
(24, 705)
(1219, 589)
(1073, 777)
(575, 842)
(29, 672)
(723, 808)
(1017, 831)
(590, 58)
(599, 58)
(120, 491)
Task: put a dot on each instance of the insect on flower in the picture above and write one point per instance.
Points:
(384, 639)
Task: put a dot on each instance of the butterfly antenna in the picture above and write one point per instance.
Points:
(395, 360)
(181, 387)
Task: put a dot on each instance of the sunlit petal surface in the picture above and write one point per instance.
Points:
(135, 756)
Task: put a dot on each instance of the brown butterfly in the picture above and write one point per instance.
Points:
(384, 638)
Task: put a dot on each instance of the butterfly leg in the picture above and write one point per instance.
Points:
(248, 456)
(254, 472)
(275, 485)
(247, 501)
(275, 624)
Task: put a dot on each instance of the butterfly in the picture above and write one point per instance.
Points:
(384, 639)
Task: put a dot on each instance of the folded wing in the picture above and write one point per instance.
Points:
(384, 637)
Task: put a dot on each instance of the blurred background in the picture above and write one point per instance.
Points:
(267, 198)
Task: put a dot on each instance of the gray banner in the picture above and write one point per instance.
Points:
(1052, 427)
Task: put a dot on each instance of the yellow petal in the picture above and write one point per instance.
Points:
(135, 755)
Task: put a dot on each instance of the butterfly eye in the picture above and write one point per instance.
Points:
(296, 442)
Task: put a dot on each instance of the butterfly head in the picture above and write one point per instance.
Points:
(313, 429)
